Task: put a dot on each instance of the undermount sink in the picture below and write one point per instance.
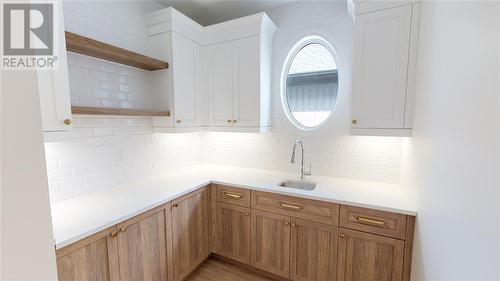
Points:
(299, 184)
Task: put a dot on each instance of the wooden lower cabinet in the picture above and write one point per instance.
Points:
(271, 242)
(132, 250)
(142, 247)
(313, 251)
(93, 258)
(190, 232)
(369, 257)
(233, 232)
(168, 243)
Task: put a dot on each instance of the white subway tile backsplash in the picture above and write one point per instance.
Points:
(366, 158)
(95, 82)
(106, 151)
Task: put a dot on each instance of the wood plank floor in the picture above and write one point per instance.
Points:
(217, 270)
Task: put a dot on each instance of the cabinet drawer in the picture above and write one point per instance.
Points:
(298, 207)
(378, 222)
(233, 195)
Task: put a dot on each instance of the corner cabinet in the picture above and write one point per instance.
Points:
(384, 52)
(221, 74)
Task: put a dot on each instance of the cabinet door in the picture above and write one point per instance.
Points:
(190, 232)
(381, 49)
(188, 70)
(368, 257)
(271, 242)
(233, 232)
(313, 251)
(53, 86)
(220, 84)
(93, 258)
(142, 247)
(246, 94)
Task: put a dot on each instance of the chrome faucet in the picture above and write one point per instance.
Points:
(302, 172)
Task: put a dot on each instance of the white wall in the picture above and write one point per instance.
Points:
(452, 161)
(27, 245)
(330, 149)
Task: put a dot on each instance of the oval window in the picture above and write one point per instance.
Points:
(310, 86)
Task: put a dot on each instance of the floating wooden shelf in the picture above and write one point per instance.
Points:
(90, 47)
(117, 111)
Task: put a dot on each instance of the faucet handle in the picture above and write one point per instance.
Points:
(308, 173)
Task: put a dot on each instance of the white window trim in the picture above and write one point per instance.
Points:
(312, 39)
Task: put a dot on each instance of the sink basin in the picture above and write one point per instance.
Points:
(299, 184)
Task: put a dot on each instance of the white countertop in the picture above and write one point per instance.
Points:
(79, 217)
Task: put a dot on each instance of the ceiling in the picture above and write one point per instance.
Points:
(207, 12)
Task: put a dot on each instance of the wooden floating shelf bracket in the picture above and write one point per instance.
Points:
(117, 111)
(90, 47)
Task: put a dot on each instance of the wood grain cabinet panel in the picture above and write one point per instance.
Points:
(368, 257)
(313, 251)
(271, 242)
(233, 195)
(297, 207)
(93, 258)
(190, 231)
(142, 247)
(233, 232)
(373, 221)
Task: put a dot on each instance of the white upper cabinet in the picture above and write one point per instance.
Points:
(220, 84)
(239, 74)
(247, 92)
(234, 84)
(188, 79)
(177, 39)
(220, 77)
(53, 86)
(383, 70)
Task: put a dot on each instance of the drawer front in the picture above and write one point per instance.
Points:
(373, 221)
(297, 207)
(233, 195)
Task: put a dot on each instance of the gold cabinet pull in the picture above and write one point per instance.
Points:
(342, 236)
(113, 233)
(294, 224)
(175, 205)
(354, 121)
(233, 195)
(290, 206)
(123, 229)
(67, 121)
(229, 121)
(370, 221)
(287, 222)
(178, 121)
(235, 121)
(247, 214)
